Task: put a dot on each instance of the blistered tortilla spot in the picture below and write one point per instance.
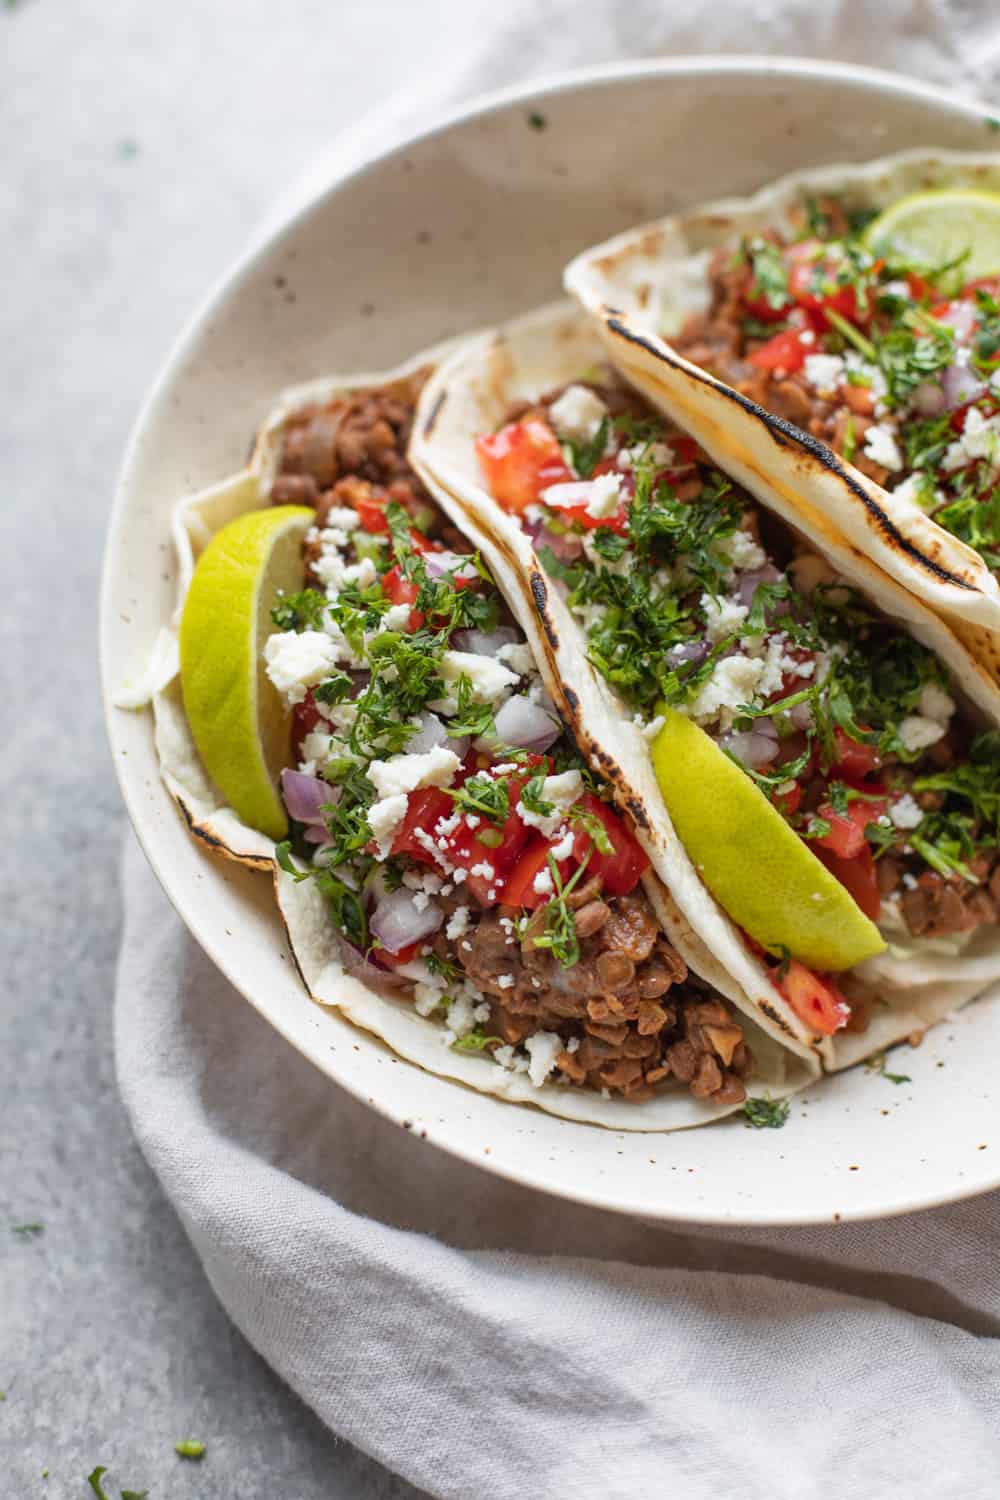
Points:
(774, 1015)
(571, 698)
(804, 441)
(435, 411)
(637, 812)
(539, 594)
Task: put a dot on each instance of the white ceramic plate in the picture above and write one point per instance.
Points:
(467, 224)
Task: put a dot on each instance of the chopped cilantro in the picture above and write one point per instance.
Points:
(475, 1041)
(907, 360)
(470, 717)
(593, 828)
(27, 1231)
(302, 611)
(588, 452)
(769, 274)
(335, 689)
(537, 121)
(559, 935)
(483, 796)
(94, 1480)
(877, 1065)
(188, 1448)
(766, 1114)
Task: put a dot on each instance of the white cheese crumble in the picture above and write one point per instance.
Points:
(577, 414)
(916, 733)
(384, 818)
(906, 812)
(484, 870)
(882, 448)
(542, 883)
(543, 1048)
(426, 998)
(564, 848)
(741, 550)
(518, 656)
(605, 496)
(396, 618)
(343, 517)
(458, 923)
(935, 703)
(562, 791)
(824, 371)
(734, 681)
(722, 616)
(461, 1018)
(405, 773)
(506, 981)
(489, 679)
(296, 662)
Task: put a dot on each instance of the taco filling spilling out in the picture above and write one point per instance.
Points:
(467, 854)
(696, 602)
(892, 361)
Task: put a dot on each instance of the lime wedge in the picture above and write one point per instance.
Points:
(756, 867)
(937, 227)
(238, 720)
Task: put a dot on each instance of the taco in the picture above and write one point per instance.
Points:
(823, 744)
(453, 875)
(848, 322)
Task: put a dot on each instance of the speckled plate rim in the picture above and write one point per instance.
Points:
(134, 771)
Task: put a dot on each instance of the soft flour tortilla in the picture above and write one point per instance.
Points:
(642, 285)
(327, 969)
(468, 396)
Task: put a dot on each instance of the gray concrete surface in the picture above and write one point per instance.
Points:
(139, 145)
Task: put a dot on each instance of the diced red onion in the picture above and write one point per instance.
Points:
(801, 715)
(960, 384)
(928, 399)
(564, 545)
(691, 651)
(397, 923)
(522, 722)
(961, 316)
(316, 834)
(306, 795)
(459, 564)
(756, 747)
(485, 642)
(749, 581)
(355, 963)
(431, 734)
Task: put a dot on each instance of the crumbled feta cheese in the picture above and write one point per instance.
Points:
(882, 448)
(651, 730)
(518, 656)
(296, 662)
(935, 703)
(426, 998)
(564, 848)
(605, 496)
(734, 681)
(910, 882)
(458, 923)
(484, 870)
(509, 1059)
(915, 490)
(722, 616)
(906, 812)
(506, 981)
(562, 791)
(741, 550)
(542, 883)
(444, 827)
(981, 436)
(384, 818)
(577, 414)
(421, 900)
(489, 679)
(461, 1018)
(916, 733)
(396, 618)
(405, 773)
(824, 371)
(661, 455)
(543, 1048)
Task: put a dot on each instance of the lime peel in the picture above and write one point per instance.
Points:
(240, 724)
(757, 868)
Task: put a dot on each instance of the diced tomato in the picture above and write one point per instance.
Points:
(424, 810)
(920, 290)
(393, 960)
(520, 886)
(846, 838)
(685, 448)
(785, 351)
(816, 1001)
(788, 802)
(520, 461)
(620, 870)
(617, 523)
(990, 284)
(402, 590)
(421, 543)
(805, 277)
(371, 513)
(854, 759)
(305, 717)
(857, 876)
